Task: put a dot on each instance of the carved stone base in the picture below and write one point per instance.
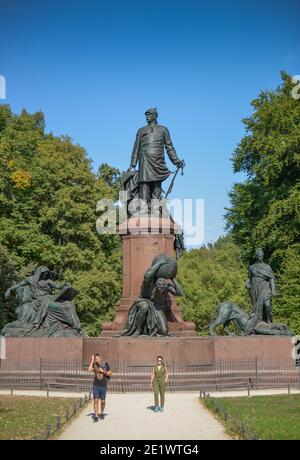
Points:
(27, 352)
(143, 239)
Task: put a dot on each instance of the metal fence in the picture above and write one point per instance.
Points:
(236, 424)
(225, 374)
(53, 428)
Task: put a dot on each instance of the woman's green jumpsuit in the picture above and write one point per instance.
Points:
(159, 385)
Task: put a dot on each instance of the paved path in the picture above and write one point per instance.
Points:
(129, 416)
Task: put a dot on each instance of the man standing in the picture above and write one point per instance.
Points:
(148, 151)
(102, 374)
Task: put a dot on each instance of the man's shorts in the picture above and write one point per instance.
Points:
(99, 392)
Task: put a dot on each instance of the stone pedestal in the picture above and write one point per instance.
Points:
(183, 352)
(31, 351)
(143, 239)
(178, 352)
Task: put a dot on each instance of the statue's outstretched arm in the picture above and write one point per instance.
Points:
(153, 269)
(57, 286)
(176, 288)
(13, 288)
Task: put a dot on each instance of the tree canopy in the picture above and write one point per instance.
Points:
(263, 212)
(264, 209)
(208, 276)
(48, 196)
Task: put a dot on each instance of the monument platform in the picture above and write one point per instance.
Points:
(178, 352)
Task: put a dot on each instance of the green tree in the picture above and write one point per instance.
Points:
(8, 276)
(208, 276)
(48, 196)
(286, 305)
(264, 209)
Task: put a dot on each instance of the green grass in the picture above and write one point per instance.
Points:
(269, 417)
(25, 417)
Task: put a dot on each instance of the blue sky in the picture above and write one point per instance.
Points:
(93, 67)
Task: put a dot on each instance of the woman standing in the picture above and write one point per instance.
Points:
(159, 378)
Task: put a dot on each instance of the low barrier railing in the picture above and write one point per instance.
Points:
(225, 374)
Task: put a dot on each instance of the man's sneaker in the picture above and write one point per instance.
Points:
(156, 409)
(95, 419)
(101, 416)
(161, 409)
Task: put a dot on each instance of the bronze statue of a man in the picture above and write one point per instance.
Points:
(261, 287)
(148, 151)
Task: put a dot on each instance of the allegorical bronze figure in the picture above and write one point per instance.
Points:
(45, 308)
(261, 287)
(149, 313)
(148, 153)
(227, 312)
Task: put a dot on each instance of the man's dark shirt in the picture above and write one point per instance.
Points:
(100, 379)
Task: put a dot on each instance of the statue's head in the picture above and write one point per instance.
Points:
(259, 254)
(43, 273)
(161, 284)
(151, 114)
